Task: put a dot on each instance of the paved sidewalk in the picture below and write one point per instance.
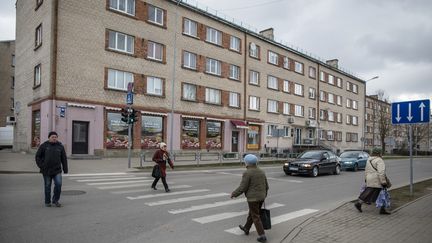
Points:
(410, 223)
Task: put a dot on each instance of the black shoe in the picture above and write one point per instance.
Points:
(244, 229)
(57, 204)
(358, 206)
(154, 188)
(262, 238)
(167, 190)
(383, 211)
(48, 205)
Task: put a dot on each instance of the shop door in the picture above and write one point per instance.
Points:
(234, 141)
(80, 137)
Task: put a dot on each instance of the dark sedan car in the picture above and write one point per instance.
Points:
(313, 163)
(353, 160)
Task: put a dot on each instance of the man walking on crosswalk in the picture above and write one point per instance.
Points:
(255, 187)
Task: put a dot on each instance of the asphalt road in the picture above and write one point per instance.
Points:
(122, 207)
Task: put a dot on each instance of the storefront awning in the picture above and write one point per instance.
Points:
(239, 124)
(81, 105)
(153, 113)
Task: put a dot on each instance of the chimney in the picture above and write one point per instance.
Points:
(267, 33)
(333, 63)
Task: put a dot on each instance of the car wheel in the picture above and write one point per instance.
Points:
(315, 171)
(287, 173)
(355, 167)
(337, 170)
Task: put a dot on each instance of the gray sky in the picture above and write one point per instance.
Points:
(391, 39)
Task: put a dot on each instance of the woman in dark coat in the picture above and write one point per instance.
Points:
(161, 157)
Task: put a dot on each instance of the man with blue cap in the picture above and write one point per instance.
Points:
(255, 187)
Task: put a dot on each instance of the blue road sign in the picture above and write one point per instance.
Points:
(409, 112)
(129, 98)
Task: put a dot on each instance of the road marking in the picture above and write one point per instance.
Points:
(113, 179)
(96, 174)
(100, 177)
(227, 215)
(187, 199)
(276, 220)
(268, 178)
(126, 186)
(167, 194)
(116, 182)
(206, 206)
(149, 189)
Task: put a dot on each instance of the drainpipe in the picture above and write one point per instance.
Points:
(245, 133)
(54, 20)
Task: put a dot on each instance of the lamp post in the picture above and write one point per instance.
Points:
(364, 126)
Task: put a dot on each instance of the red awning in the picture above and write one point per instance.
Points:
(239, 124)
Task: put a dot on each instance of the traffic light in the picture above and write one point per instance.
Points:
(125, 115)
(133, 116)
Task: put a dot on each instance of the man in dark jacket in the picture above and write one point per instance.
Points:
(255, 187)
(51, 158)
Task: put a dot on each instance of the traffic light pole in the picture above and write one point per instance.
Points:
(129, 136)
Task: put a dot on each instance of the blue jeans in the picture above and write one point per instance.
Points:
(57, 187)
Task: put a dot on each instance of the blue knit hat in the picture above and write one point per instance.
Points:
(250, 159)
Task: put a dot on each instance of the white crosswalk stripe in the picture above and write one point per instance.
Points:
(116, 182)
(147, 189)
(207, 206)
(227, 215)
(96, 174)
(167, 194)
(186, 199)
(113, 179)
(100, 177)
(276, 220)
(126, 186)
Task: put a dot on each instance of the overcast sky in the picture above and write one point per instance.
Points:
(391, 39)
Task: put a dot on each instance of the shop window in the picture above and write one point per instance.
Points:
(117, 132)
(190, 134)
(151, 131)
(253, 137)
(214, 135)
(36, 122)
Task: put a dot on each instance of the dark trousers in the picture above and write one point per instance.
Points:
(254, 217)
(163, 181)
(57, 187)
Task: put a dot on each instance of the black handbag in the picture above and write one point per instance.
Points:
(265, 218)
(156, 173)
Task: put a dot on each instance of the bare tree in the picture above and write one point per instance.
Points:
(420, 133)
(383, 117)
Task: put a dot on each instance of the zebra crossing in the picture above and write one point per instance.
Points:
(137, 187)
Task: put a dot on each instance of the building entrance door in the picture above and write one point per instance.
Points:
(234, 141)
(80, 137)
(298, 136)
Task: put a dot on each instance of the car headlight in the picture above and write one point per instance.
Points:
(348, 162)
(286, 164)
(307, 165)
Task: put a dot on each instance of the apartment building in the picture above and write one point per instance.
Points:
(7, 82)
(225, 88)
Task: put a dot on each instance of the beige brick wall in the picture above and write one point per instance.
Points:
(7, 50)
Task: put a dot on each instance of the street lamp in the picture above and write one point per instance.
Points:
(364, 126)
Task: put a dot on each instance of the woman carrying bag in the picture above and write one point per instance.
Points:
(161, 157)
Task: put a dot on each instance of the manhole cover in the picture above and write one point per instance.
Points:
(72, 192)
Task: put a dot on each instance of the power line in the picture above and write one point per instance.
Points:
(251, 6)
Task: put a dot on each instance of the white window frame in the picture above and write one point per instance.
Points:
(38, 35)
(127, 40)
(254, 77)
(312, 113)
(272, 82)
(330, 116)
(214, 36)
(129, 6)
(298, 89)
(331, 79)
(322, 96)
(155, 51)
(339, 82)
(234, 72)
(158, 15)
(339, 117)
(312, 93)
(157, 86)
(322, 76)
(190, 27)
(235, 43)
(286, 62)
(354, 120)
(286, 108)
(117, 76)
(286, 86)
(298, 110)
(355, 88)
(298, 67)
(354, 104)
(234, 99)
(348, 103)
(254, 103)
(253, 52)
(189, 60)
(270, 129)
(213, 96)
(272, 106)
(286, 131)
(213, 66)
(273, 58)
(330, 98)
(348, 119)
(37, 75)
(339, 100)
(330, 135)
(322, 115)
(312, 72)
(348, 86)
(189, 92)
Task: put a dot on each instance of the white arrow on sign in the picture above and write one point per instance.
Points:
(422, 106)
(398, 113)
(409, 117)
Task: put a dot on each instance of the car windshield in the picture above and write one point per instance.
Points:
(310, 155)
(349, 155)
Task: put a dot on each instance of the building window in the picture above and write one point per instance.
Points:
(36, 125)
(272, 82)
(286, 108)
(355, 88)
(155, 15)
(235, 43)
(348, 103)
(298, 67)
(254, 103)
(348, 119)
(253, 77)
(348, 86)
(154, 86)
(330, 135)
(322, 115)
(310, 133)
(189, 60)
(13, 82)
(155, 51)
(338, 136)
(299, 111)
(254, 139)
(339, 82)
(286, 131)
(213, 96)
(322, 76)
(234, 72)
(190, 134)
(38, 36)
(354, 105)
(286, 63)
(312, 112)
(214, 36)
(298, 89)
(339, 117)
(117, 132)
(121, 42)
(234, 99)
(213, 66)
(339, 100)
(125, 6)
(190, 27)
(271, 130)
(37, 76)
(330, 98)
(214, 135)
(13, 61)
(321, 134)
(354, 120)
(311, 93)
(254, 50)
(189, 92)
(273, 58)
(272, 106)
(322, 96)
(119, 79)
(330, 115)
(151, 131)
(286, 86)
(312, 72)
(331, 79)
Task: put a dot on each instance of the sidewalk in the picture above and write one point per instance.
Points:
(410, 223)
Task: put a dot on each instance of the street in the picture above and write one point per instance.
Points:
(121, 207)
